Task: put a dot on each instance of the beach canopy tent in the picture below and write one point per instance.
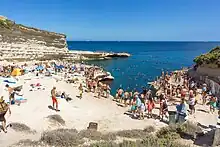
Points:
(40, 67)
(16, 72)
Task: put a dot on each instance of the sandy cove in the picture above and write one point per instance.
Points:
(78, 112)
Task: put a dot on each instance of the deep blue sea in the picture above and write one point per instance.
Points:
(147, 61)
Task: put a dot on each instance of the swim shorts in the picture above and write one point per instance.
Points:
(54, 100)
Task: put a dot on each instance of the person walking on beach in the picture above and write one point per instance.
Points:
(4, 107)
(54, 99)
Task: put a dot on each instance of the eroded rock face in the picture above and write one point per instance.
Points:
(18, 41)
(216, 141)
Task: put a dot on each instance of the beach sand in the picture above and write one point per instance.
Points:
(76, 113)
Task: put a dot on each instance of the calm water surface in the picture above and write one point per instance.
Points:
(147, 61)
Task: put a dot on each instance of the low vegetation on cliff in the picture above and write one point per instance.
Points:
(212, 57)
(7, 24)
(11, 25)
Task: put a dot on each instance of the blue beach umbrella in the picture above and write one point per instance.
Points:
(40, 67)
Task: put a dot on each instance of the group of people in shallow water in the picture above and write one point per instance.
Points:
(176, 86)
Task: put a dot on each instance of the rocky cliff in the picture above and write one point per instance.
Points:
(207, 69)
(22, 42)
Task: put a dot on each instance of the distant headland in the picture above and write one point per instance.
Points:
(20, 42)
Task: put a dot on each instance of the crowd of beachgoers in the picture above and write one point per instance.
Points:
(69, 72)
(175, 88)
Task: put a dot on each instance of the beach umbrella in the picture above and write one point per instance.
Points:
(40, 67)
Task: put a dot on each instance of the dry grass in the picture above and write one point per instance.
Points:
(136, 133)
(147, 142)
(19, 127)
(56, 119)
(95, 135)
(28, 143)
(62, 137)
(165, 137)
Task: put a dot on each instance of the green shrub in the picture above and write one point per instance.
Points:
(210, 57)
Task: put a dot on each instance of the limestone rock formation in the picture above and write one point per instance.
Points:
(22, 42)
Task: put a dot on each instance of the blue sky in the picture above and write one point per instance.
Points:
(145, 20)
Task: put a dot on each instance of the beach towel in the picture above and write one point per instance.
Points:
(7, 81)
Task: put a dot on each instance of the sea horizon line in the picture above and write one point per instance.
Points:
(132, 41)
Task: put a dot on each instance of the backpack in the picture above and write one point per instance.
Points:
(3, 107)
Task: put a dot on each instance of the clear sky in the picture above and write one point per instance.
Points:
(147, 20)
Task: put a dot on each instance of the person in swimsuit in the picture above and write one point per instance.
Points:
(11, 94)
(54, 99)
(80, 90)
(192, 102)
(94, 85)
(213, 103)
(204, 92)
(163, 106)
(4, 107)
(150, 107)
(120, 94)
(126, 97)
(131, 98)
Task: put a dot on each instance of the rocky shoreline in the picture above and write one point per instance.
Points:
(19, 42)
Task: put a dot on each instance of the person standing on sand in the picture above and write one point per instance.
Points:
(126, 97)
(4, 107)
(213, 103)
(150, 107)
(204, 92)
(80, 90)
(163, 106)
(54, 99)
(192, 103)
(11, 94)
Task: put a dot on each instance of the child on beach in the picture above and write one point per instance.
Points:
(80, 90)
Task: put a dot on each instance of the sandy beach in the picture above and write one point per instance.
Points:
(77, 113)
